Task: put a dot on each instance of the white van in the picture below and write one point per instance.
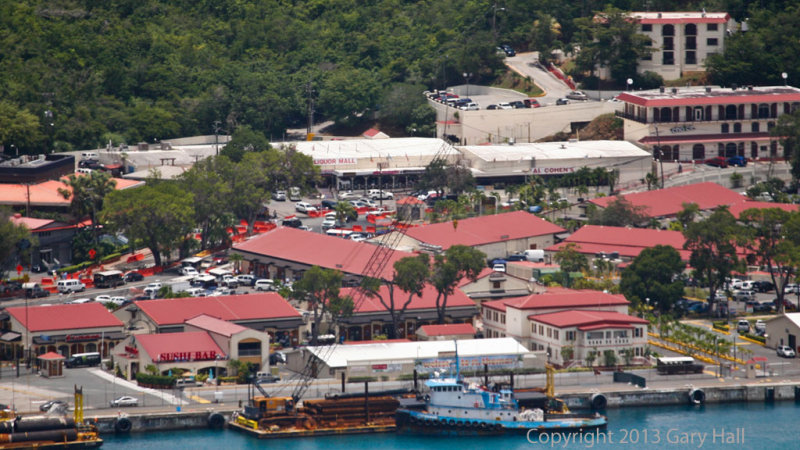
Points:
(90, 155)
(264, 285)
(534, 255)
(195, 291)
(68, 286)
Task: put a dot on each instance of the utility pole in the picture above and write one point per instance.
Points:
(309, 93)
(216, 136)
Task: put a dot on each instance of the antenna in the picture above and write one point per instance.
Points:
(458, 365)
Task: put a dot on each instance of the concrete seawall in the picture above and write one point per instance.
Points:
(160, 421)
(626, 396)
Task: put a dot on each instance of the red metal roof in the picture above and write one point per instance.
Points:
(253, 306)
(448, 329)
(410, 200)
(738, 208)
(291, 244)
(186, 342)
(427, 301)
(629, 242)
(699, 138)
(64, 317)
(50, 356)
(698, 96)
(669, 201)
(566, 298)
(484, 230)
(215, 325)
(587, 320)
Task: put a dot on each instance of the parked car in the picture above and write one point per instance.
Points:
(743, 326)
(470, 107)
(492, 107)
(763, 286)
(267, 378)
(304, 207)
(717, 161)
(518, 104)
(264, 284)
(369, 202)
(125, 400)
(744, 295)
(189, 271)
(562, 101)
(762, 307)
(119, 301)
(738, 161)
(102, 298)
(133, 276)
(577, 95)
(246, 279)
(33, 290)
(46, 406)
(760, 326)
(68, 286)
(532, 103)
(507, 50)
(504, 105)
(293, 222)
(785, 351)
(380, 195)
(328, 204)
(328, 224)
(279, 196)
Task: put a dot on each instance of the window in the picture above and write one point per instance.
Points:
(770, 125)
(691, 57)
(691, 42)
(754, 127)
(555, 334)
(595, 335)
(647, 27)
(668, 30)
(637, 332)
(712, 42)
(668, 59)
(711, 27)
(668, 44)
(502, 318)
(541, 330)
(737, 128)
(495, 285)
(698, 113)
(730, 112)
(698, 151)
(549, 332)
(725, 128)
(570, 335)
(690, 30)
(533, 328)
(763, 111)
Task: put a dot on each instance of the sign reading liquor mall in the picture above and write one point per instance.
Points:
(333, 161)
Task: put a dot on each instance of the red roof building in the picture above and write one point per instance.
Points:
(739, 208)
(497, 235)
(448, 331)
(371, 318)
(267, 312)
(585, 331)
(668, 202)
(65, 329)
(287, 252)
(621, 242)
(698, 123)
(53, 239)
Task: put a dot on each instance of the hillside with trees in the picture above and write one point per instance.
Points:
(79, 73)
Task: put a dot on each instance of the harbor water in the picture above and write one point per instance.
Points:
(713, 426)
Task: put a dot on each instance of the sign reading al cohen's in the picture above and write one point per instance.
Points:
(470, 363)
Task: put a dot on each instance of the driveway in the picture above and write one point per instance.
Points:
(527, 64)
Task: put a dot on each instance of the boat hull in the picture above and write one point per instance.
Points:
(422, 421)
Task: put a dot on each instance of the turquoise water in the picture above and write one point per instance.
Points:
(759, 425)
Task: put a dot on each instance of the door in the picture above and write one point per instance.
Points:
(793, 342)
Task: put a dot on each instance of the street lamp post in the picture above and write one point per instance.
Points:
(467, 76)
(494, 20)
(630, 83)
(660, 156)
(784, 75)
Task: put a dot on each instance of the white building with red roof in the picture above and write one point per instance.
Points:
(517, 318)
(371, 318)
(285, 253)
(491, 284)
(682, 40)
(208, 343)
(585, 332)
(497, 235)
(448, 331)
(620, 243)
(65, 329)
(698, 123)
(267, 312)
(53, 239)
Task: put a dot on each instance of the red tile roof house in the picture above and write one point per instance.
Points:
(585, 332)
(497, 235)
(65, 329)
(449, 331)
(287, 252)
(205, 347)
(268, 312)
(511, 317)
(669, 202)
(491, 285)
(622, 243)
(371, 318)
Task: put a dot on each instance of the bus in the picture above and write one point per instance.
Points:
(108, 279)
(670, 365)
(83, 360)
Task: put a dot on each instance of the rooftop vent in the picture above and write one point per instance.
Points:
(674, 90)
(749, 88)
(708, 89)
(661, 89)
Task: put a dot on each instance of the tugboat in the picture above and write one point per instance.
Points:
(455, 406)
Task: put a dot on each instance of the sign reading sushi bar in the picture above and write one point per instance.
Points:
(469, 363)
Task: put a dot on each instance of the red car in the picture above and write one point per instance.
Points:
(717, 161)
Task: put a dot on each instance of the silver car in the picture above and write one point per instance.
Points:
(125, 400)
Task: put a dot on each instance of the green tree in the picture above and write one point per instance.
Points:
(15, 240)
(654, 275)
(160, 214)
(213, 197)
(610, 39)
(345, 212)
(567, 353)
(457, 262)
(321, 289)
(713, 244)
(788, 133)
(571, 260)
(86, 194)
(244, 140)
(20, 128)
(610, 358)
(435, 176)
(772, 236)
(406, 111)
(545, 36)
(688, 214)
(410, 276)
(348, 93)
(618, 213)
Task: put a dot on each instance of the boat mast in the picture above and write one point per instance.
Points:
(458, 365)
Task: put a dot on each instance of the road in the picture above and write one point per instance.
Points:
(528, 65)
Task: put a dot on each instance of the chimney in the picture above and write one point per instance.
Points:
(659, 15)
(674, 90)
(708, 89)
(750, 88)
(661, 89)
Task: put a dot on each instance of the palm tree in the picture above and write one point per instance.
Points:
(236, 259)
(344, 212)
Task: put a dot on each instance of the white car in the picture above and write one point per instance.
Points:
(470, 107)
(189, 271)
(103, 298)
(346, 195)
(382, 195)
(79, 301)
(499, 268)
(245, 279)
(357, 237)
(785, 351)
(304, 207)
(328, 223)
(119, 301)
(264, 284)
(125, 400)
(504, 105)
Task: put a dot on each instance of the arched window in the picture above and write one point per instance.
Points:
(698, 113)
(691, 29)
(668, 30)
(730, 149)
(698, 151)
(666, 114)
(763, 111)
(737, 127)
(730, 112)
(754, 127)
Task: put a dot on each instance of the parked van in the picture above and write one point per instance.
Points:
(90, 155)
(294, 194)
(534, 255)
(33, 290)
(264, 285)
(68, 286)
(195, 291)
(186, 382)
(108, 279)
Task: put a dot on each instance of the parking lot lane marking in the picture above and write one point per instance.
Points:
(743, 343)
(708, 372)
(199, 399)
